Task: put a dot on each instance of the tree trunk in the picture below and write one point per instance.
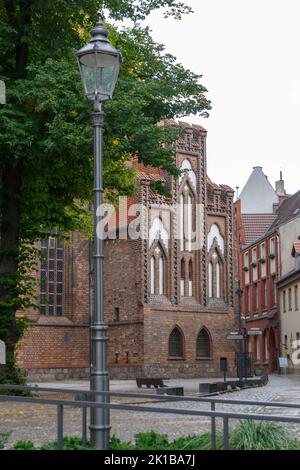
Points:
(9, 247)
(19, 19)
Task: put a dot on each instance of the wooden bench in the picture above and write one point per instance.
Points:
(149, 381)
(179, 391)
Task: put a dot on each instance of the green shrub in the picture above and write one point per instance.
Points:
(69, 443)
(116, 444)
(24, 445)
(3, 438)
(202, 442)
(151, 441)
(248, 435)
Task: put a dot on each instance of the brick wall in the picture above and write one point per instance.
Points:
(125, 350)
(122, 280)
(54, 347)
(123, 308)
(77, 279)
(160, 323)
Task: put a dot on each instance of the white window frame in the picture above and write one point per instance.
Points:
(152, 275)
(263, 251)
(218, 280)
(210, 280)
(254, 260)
(161, 276)
(273, 251)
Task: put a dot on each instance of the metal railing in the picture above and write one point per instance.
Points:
(213, 414)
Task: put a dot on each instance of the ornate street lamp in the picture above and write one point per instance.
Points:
(99, 63)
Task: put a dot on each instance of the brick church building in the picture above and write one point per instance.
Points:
(169, 292)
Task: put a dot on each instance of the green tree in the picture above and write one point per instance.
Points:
(46, 158)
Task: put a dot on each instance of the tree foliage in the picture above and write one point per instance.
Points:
(45, 129)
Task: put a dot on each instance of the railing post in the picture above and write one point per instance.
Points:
(226, 432)
(213, 428)
(60, 423)
(84, 422)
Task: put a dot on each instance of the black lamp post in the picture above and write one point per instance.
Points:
(99, 63)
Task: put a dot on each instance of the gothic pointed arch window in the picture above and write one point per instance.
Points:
(187, 192)
(158, 271)
(216, 264)
(187, 169)
(181, 222)
(210, 279)
(152, 275)
(182, 277)
(186, 277)
(218, 279)
(203, 345)
(176, 344)
(215, 235)
(158, 244)
(161, 280)
(158, 231)
(190, 278)
(189, 222)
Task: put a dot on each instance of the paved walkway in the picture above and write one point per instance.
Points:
(38, 422)
(190, 385)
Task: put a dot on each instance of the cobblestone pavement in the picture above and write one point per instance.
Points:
(38, 422)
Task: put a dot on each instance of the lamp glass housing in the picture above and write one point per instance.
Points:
(99, 73)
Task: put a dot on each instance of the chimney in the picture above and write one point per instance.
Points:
(279, 186)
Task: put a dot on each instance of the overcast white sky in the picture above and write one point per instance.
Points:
(249, 54)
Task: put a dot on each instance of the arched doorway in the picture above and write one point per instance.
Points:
(273, 359)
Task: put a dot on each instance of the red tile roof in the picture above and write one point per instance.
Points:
(221, 187)
(256, 225)
(150, 176)
(147, 173)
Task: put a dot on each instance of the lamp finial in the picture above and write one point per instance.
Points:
(101, 16)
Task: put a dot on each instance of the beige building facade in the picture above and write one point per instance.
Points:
(289, 293)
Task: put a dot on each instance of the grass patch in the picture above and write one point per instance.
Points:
(260, 435)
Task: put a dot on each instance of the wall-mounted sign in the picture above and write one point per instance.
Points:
(254, 331)
(2, 352)
(235, 336)
(283, 362)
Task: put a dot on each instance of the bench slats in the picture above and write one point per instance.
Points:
(148, 381)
